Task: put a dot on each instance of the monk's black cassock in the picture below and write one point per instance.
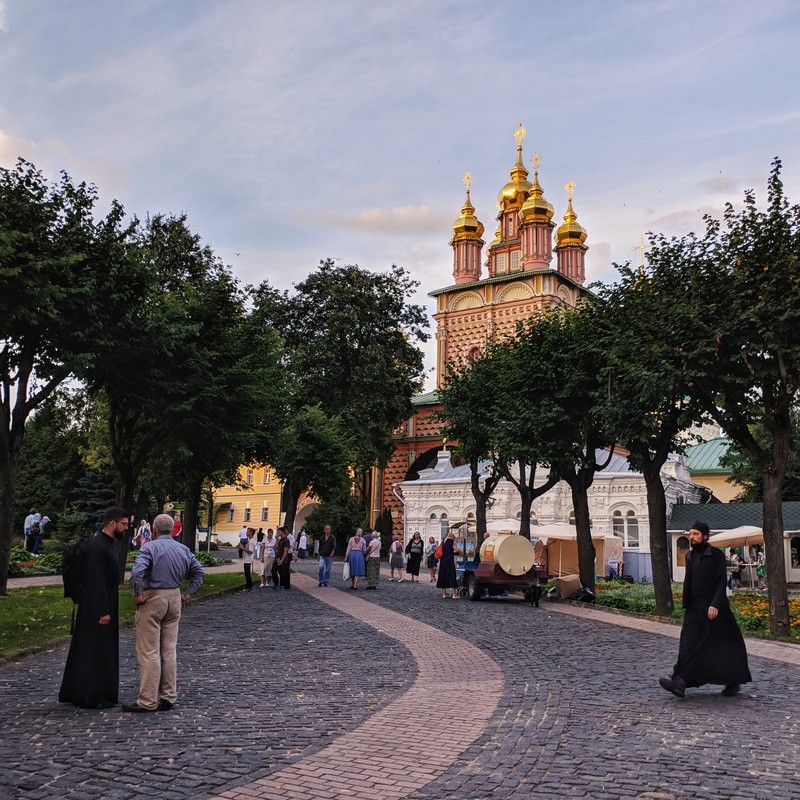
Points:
(91, 675)
(711, 651)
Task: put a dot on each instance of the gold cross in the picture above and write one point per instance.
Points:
(570, 187)
(467, 179)
(536, 159)
(641, 248)
(519, 135)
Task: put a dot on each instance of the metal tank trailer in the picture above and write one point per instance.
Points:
(507, 564)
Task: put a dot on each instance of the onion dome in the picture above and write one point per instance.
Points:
(536, 208)
(467, 226)
(498, 236)
(513, 194)
(570, 232)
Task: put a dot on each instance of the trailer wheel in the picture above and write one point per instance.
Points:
(474, 589)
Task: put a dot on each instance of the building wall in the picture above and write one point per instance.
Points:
(722, 488)
(232, 503)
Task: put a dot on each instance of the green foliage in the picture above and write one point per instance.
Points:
(343, 514)
(632, 597)
(67, 528)
(207, 560)
(49, 563)
(20, 554)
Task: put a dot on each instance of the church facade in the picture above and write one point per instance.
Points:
(529, 266)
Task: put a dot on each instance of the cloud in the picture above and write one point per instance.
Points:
(398, 221)
(3, 9)
(688, 219)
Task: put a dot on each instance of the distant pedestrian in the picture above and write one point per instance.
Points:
(354, 556)
(283, 560)
(91, 674)
(160, 568)
(414, 551)
(448, 580)
(177, 527)
(431, 560)
(267, 557)
(613, 566)
(327, 547)
(396, 561)
(374, 560)
(711, 648)
(32, 519)
(242, 540)
(143, 534)
(248, 554)
(302, 545)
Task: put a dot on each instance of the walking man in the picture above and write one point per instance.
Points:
(160, 568)
(711, 646)
(327, 547)
(91, 674)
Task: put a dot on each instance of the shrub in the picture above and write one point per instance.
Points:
(49, 563)
(18, 554)
(206, 559)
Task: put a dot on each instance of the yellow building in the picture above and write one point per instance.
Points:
(256, 502)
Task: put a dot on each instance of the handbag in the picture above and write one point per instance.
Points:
(346, 572)
(438, 552)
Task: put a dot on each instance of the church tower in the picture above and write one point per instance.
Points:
(466, 242)
(570, 238)
(536, 225)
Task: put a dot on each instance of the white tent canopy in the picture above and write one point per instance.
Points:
(738, 537)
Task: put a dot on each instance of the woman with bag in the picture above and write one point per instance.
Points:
(354, 558)
(448, 580)
(414, 551)
(374, 561)
(396, 559)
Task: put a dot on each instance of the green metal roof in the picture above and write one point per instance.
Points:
(704, 458)
(724, 516)
(425, 399)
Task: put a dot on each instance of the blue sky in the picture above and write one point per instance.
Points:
(294, 131)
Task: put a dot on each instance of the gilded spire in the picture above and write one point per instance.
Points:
(467, 226)
(513, 194)
(536, 206)
(570, 232)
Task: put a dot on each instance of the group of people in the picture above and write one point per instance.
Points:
(91, 673)
(34, 526)
(269, 556)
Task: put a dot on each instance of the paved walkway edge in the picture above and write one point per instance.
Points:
(363, 764)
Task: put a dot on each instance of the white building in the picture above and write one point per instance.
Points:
(617, 503)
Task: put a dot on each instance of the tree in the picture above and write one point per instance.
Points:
(350, 339)
(740, 286)
(647, 336)
(62, 292)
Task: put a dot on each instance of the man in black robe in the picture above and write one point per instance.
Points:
(711, 647)
(91, 674)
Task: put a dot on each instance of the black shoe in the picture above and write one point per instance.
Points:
(136, 708)
(103, 706)
(676, 685)
(165, 705)
(731, 690)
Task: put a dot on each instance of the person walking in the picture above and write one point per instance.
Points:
(374, 560)
(448, 580)
(414, 551)
(396, 558)
(431, 560)
(158, 572)
(327, 547)
(91, 674)
(242, 540)
(711, 648)
(354, 556)
(283, 560)
(302, 545)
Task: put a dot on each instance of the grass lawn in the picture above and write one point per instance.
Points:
(37, 615)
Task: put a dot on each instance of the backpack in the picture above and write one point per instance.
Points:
(72, 564)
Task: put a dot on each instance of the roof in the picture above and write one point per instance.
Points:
(705, 458)
(425, 399)
(508, 277)
(724, 516)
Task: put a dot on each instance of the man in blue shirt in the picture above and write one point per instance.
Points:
(160, 568)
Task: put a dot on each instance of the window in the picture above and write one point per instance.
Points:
(515, 261)
(626, 527)
(501, 264)
(266, 477)
(249, 477)
(444, 525)
(264, 514)
(230, 513)
(247, 513)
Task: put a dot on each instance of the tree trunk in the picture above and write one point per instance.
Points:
(586, 552)
(774, 552)
(8, 480)
(481, 503)
(194, 488)
(659, 542)
(292, 497)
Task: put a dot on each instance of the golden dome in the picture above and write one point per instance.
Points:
(570, 232)
(467, 226)
(536, 208)
(513, 194)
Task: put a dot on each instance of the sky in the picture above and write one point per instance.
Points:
(294, 131)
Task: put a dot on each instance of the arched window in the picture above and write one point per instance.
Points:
(626, 527)
(682, 545)
(231, 512)
(444, 525)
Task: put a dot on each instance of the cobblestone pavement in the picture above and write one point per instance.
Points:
(270, 681)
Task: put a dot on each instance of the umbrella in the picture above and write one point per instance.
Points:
(738, 537)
